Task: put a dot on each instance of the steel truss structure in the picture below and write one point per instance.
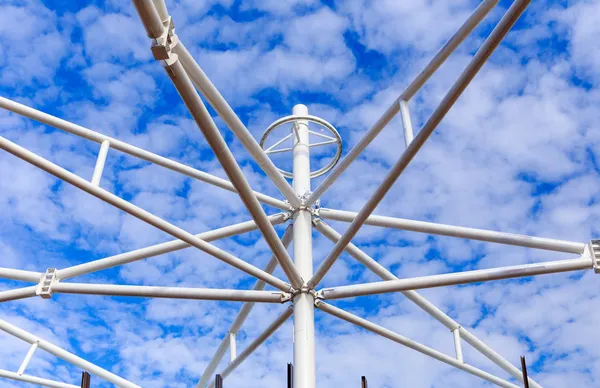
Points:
(300, 289)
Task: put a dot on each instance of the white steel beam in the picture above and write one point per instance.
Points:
(139, 213)
(476, 17)
(160, 249)
(35, 380)
(365, 324)
(206, 124)
(457, 345)
(18, 293)
(239, 320)
(232, 346)
(458, 231)
(216, 100)
(27, 358)
(280, 320)
(100, 162)
(19, 274)
(450, 279)
(484, 52)
(406, 122)
(65, 355)
(94, 136)
(170, 292)
(424, 304)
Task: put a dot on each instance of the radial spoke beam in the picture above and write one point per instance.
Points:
(18, 293)
(424, 304)
(365, 324)
(19, 274)
(486, 49)
(255, 344)
(170, 292)
(239, 320)
(478, 15)
(451, 279)
(161, 249)
(35, 380)
(139, 213)
(216, 100)
(458, 231)
(206, 124)
(65, 355)
(129, 149)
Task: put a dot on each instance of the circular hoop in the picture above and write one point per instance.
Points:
(313, 119)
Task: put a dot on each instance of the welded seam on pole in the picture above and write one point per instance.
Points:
(129, 149)
(220, 105)
(206, 124)
(501, 29)
(458, 231)
(280, 320)
(140, 213)
(160, 249)
(242, 315)
(423, 303)
(365, 324)
(463, 32)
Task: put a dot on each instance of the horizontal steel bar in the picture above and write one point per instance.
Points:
(458, 231)
(65, 355)
(139, 213)
(476, 17)
(255, 344)
(449, 279)
(365, 324)
(130, 149)
(17, 293)
(19, 274)
(242, 315)
(35, 380)
(169, 292)
(160, 249)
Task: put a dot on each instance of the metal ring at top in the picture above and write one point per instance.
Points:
(314, 119)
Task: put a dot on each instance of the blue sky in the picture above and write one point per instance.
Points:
(518, 153)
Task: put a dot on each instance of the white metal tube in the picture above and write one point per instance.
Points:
(476, 17)
(304, 306)
(206, 124)
(450, 279)
(486, 49)
(137, 212)
(346, 316)
(457, 344)
(216, 100)
(239, 320)
(19, 274)
(232, 346)
(160, 249)
(169, 292)
(458, 231)
(27, 358)
(100, 162)
(150, 18)
(17, 293)
(406, 122)
(255, 344)
(65, 355)
(424, 304)
(35, 380)
(161, 8)
(130, 149)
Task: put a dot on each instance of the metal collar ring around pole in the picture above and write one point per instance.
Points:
(314, 119)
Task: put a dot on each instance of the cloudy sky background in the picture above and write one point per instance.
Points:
(518, 153)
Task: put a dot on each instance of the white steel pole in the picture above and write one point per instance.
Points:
(35, 380)
(406, 122)
(19, 274)
(457, 344)
(65, 355)
(28, 356)
(365, 324)
(17, 293)
(232, 346)
(304, 307)
(100, 162)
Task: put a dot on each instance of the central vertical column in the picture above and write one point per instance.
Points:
(304, 304)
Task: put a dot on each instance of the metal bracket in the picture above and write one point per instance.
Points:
(44, 288)
(595, 253)
(162, 46)
(286, 297)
